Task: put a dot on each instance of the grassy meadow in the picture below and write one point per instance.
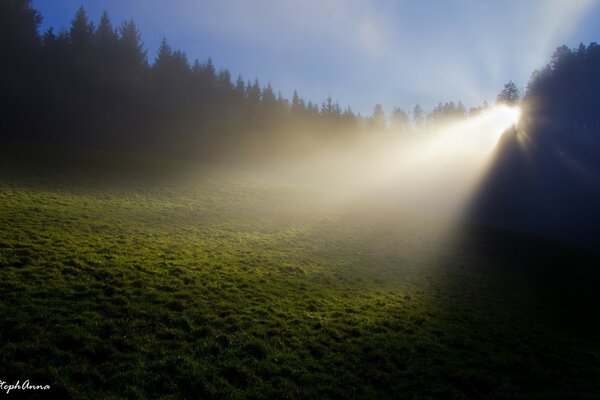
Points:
(119, 282)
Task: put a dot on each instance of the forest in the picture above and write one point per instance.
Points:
(95, 85)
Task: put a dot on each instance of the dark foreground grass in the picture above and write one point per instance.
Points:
(225, 287)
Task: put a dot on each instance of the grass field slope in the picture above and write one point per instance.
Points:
(121, 283)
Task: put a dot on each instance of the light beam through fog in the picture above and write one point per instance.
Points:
(435, 171)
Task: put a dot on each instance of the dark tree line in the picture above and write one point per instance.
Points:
(93, 84)
(563, 102)
(566, 92)
(546, 177)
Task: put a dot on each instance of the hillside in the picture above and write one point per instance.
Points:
(222, 285)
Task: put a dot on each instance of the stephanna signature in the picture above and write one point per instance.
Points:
(26, 385)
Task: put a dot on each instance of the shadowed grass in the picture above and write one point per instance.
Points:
(221, 287)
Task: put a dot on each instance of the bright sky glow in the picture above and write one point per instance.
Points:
(361, 52)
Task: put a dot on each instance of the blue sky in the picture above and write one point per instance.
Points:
(360, 52)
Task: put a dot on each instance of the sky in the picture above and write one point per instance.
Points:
(396, 53)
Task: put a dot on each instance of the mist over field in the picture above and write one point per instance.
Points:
(171, 229)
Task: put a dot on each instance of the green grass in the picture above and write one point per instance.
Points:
(123, 286)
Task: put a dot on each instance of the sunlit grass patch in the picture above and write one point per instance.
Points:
(234, 288)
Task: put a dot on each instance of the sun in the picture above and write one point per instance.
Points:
(507, 116)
